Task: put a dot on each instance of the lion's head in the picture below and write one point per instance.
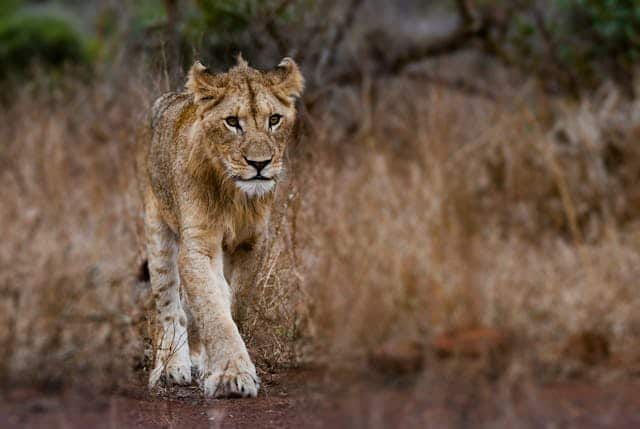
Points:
(245, 120)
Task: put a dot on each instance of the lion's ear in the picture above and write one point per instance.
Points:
(286, 79)
(203, 84)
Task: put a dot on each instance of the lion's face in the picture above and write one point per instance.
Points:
(248, 131)
(246, 120)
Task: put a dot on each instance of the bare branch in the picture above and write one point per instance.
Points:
(552, 52)
(454, 42)
(338, 36)
(468, 30)
(269, 24)
(465, 13)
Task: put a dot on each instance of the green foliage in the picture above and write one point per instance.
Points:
(49, 40)
(147, 13)
(612, 27)
(8, 7)
(218, 28)
(227, 15)
(574, 43)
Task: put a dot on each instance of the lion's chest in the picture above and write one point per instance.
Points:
(243, 232)
(233, 240)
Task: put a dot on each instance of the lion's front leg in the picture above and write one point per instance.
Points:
(230, 371)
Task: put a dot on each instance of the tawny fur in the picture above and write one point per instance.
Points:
(206, 212)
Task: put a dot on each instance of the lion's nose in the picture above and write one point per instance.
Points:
(258, 165)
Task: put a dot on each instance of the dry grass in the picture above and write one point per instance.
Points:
(70, 244)
(420, 213)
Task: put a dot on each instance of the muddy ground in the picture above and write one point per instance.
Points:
(314, 398)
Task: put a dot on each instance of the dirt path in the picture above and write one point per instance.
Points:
(314, 399)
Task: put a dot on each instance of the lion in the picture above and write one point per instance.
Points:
(208, 172)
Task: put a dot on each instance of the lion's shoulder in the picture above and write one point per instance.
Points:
(167, 105)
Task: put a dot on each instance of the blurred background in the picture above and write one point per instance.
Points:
(462, 198)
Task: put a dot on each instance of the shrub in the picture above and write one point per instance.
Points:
(611, 30)
(573, 44)
(49, 40)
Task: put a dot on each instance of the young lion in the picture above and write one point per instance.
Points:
(208, 173)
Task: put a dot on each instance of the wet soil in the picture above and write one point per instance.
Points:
(314, 398)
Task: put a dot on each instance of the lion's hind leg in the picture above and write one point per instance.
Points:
(171, 342)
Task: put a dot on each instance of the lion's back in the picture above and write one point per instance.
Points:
(167, 107)
(158, 151)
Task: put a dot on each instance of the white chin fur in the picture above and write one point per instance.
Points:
(255, 188)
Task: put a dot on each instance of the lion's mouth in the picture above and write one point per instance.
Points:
(256, 185)
(257, 177)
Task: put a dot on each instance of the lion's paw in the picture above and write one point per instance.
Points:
(236, 379)
(179, 373)
(176, 372)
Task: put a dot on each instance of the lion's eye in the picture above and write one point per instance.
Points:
(274, 120)
(232, 121)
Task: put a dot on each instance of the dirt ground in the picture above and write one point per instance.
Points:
(313, 398)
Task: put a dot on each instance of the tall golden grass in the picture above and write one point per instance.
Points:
(406, 215)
